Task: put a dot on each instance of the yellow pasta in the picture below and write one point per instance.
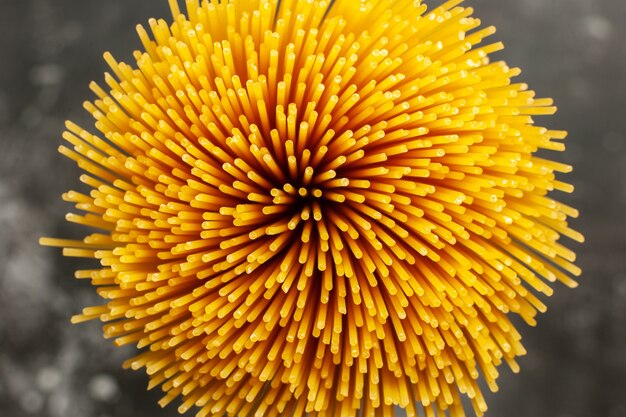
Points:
(318, 208)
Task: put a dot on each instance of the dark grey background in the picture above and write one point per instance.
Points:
(572, 50)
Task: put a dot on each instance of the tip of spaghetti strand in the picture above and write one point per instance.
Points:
(79, 318)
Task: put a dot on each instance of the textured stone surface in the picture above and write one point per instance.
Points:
(572, 50)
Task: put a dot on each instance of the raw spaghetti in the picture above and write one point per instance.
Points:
(318, 209)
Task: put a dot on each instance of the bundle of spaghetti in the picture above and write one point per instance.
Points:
(315, 208)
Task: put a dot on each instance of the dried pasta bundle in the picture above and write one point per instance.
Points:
(314, 208)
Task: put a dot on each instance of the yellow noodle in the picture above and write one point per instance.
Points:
(316, 208)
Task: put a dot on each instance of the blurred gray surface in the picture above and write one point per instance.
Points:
(571, 50)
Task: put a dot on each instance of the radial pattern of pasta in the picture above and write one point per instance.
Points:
(318, 210)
